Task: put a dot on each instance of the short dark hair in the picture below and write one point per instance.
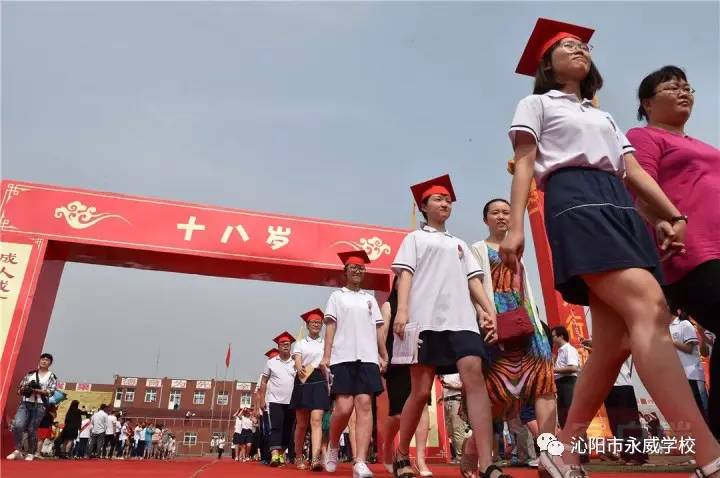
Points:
(424, 203)
(545, 78)
(646, 90)
(561, 331)
(486, 208)
(47, 356)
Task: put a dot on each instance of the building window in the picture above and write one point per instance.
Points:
(118, 394)
(199, 398)
(150, 395)
(190, 438)
(246, 400)
(222, 398)
(175, 397)
(129, 394)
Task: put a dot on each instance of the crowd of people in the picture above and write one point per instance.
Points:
(632, 226)
(630, 229)
(83, 434)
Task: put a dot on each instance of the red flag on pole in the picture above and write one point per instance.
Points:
(227, 357)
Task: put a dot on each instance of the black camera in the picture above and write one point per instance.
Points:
(28, 389)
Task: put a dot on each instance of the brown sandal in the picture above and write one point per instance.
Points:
(316, 465)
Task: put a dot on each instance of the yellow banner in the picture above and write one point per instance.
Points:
(14, 259)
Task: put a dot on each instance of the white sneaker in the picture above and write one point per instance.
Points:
(331, 459)
(361, 470)
(16, 455)
(29, 457)
(533, 463)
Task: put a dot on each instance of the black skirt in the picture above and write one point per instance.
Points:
(311, 395)
(442, 350)
(698, 294)
(356, 378)
(592, 227)
(398, 385)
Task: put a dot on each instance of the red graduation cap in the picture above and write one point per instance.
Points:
(439, 185)
(545, 34)
(284, 336)
(272, 352)
(359, 258)
(315, 314)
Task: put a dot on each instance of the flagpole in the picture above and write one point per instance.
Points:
(212, 405)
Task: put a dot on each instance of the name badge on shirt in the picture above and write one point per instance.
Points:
(460, 252)
(369, 303)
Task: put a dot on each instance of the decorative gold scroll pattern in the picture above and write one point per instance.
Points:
(79, 216)
(374, 247)
(11, 191)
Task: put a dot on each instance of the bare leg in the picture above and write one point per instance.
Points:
(301, 423)
(363, 427)
(636, 296)
(392, 425)
(546, 413)
(344, 405)
(478, 407)
(610, 349)
(352, 433)
(316, 432)
(421, 379)
(421, 436)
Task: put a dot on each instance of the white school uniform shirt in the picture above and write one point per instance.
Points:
(98, 422)
(624, 378)
(138, 433)
(246, 423)
(281, 380)
(570, 132)
(238, 425)
(112, 425)
(85, 428)
(357, 315)
(441, 265)
(310, 351)
(567, 355)
(684, 332)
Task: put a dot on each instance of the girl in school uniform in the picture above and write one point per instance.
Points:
(602, 254)
(440, 292)
(354, 356)
(310, 396)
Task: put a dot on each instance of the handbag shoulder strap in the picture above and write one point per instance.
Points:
(521, 275)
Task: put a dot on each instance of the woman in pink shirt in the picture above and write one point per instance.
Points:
(688, 171)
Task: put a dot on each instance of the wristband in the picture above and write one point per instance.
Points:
(675, 219)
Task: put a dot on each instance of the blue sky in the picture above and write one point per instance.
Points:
(328, 110)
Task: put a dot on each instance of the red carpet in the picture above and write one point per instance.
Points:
(205, 468)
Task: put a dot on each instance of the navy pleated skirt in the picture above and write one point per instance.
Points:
(356, 378)
(593, 226)
(311, 395)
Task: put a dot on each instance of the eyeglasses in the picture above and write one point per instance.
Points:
(571, 46)
(677, 89)
(354, 268)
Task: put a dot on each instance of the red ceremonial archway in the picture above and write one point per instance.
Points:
(45, 226)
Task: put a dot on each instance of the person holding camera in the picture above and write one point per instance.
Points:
(35, 388)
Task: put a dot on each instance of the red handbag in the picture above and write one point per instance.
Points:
(515, 325)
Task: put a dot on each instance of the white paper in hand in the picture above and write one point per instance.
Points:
(405, 351)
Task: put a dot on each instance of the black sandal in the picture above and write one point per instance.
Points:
(402, 468)
(488, 472)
